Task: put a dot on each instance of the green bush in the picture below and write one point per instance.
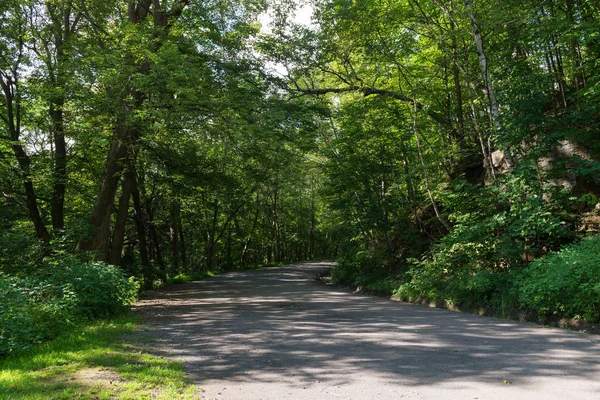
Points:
(99, 290)
(30, 312)
(565, 283)
(366, 271)
(495, 228)
(180, 278)
(360, 269)
(459, 279)
(37, 308)
(425, 280)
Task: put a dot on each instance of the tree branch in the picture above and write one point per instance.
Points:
(138, 10)
(177, 9)
(370, 91)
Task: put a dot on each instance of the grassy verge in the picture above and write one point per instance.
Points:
(105, 360)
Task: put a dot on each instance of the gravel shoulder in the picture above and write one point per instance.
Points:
(277, 333)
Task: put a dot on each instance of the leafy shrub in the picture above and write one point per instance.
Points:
(180, 278)
(494, 227)
(37, 308)
(458, 276)
(30, 312)
(423, 281)
(587, 200)
(565, 283)
(360, 269)
(99, 290)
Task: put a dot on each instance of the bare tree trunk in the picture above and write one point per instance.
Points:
(99, 238)
(118, 236)
(212, 237)
(313, 221)
(10, 88)
(485, 148)
(126, 132)
(244, 258)
(579, 76)
(552, 63)
(275, 226)
(174, 236)
(139, 221)
(62, 30)
(483, 62)
(34, 213)
(182, 247)
(60, 166)
(228, 253)
(457, 87)
(155, 243)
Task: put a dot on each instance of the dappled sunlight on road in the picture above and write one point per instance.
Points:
(280, 328)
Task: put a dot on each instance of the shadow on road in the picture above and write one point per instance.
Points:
(278, 324)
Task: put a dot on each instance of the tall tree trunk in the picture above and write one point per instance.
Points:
(118, 236)
(60, 166)
(562, 83)
(275, 226)
(212, 237)
(10, 88)
(311, 232)
(575, 47)
(98, 239)
(244, 258)
(483, 142)
(228, 254)
(34, 213)
(155, 243)
(425, 174)
(63, 27)
(174, 236)
(483, 62)
(456, 77)
(32, 205)
(579, 76)
(182, 247)
(140, 227)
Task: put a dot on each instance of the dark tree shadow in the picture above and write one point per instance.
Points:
(279, 324)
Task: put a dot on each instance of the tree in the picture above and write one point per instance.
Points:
(127, 130)
(13, 59)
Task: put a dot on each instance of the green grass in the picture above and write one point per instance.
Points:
(106, 360)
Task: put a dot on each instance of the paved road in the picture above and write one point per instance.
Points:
(276, 333)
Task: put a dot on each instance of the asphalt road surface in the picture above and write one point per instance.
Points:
(277, 333)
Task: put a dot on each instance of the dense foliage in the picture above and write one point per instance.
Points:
(565, 283)
(40, 306)
(462, 144)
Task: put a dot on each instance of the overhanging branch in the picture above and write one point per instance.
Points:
(370, 91)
